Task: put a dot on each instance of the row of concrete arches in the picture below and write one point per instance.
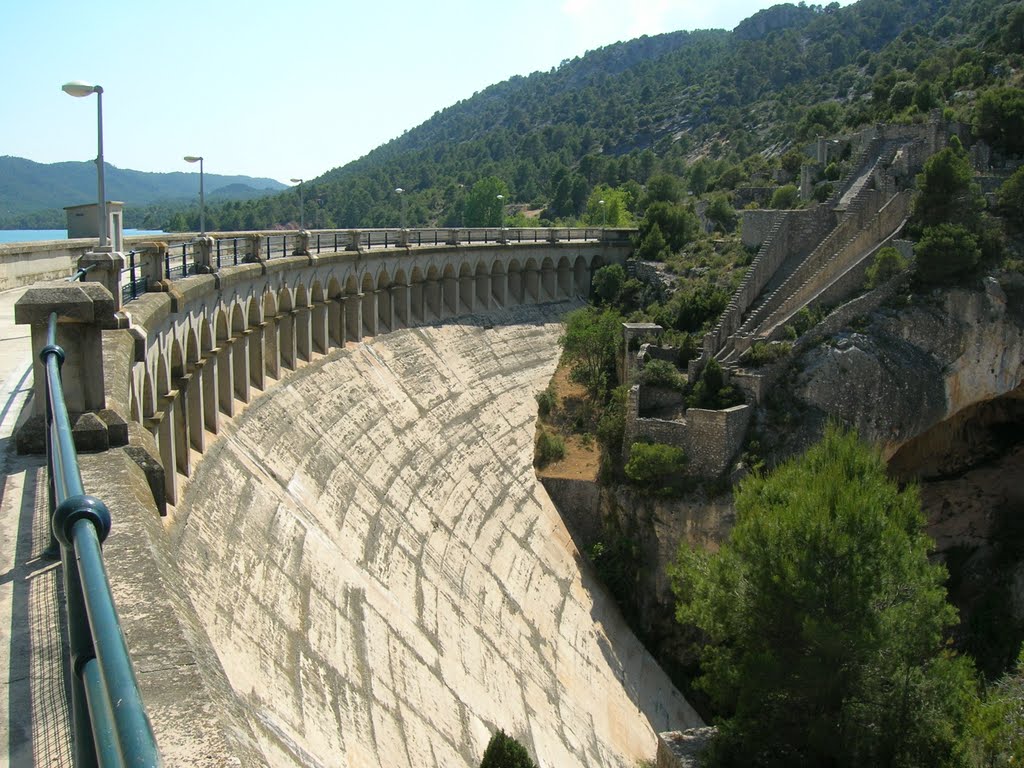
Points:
(214, 354)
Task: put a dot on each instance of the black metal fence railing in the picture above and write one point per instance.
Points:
(180, 258)
(109, 720)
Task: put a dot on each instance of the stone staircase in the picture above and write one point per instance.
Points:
(774, 292)
(883, 226)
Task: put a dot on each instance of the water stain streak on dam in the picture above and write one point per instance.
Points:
(385, 582)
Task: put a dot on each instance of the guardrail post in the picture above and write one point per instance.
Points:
(202, 250)
(302, 244)
(151, 269)
(402, 239)
(503, 236)
(354, 237)
(104, 268)
(552, 235)
(253, 248)
(83, 311)
(453, 237)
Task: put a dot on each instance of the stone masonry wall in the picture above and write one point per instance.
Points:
(797, 231)
(710, 439)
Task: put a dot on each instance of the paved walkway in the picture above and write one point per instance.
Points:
(33, 724)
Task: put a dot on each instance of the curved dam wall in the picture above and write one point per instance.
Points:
(383, 578)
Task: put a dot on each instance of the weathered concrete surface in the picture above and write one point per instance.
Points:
(383, 578)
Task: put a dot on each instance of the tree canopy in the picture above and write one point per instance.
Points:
(590, 344)
(826, 621)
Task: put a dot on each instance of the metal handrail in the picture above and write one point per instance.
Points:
(234, 248)
(109, 720)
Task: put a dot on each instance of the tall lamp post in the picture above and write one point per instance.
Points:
(604, 214)
(302, 207)
(79, 89)
(399, 191)
(501, 209)
(202, 195)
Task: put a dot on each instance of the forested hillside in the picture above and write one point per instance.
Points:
(34, 194)
(714, 108)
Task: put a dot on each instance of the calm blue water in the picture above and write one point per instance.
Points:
(32, 235)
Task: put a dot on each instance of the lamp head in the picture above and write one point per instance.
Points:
(192, 159)
(399, 190)
(79, 88)
(296, 181)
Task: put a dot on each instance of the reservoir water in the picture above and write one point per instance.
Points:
(35, 235)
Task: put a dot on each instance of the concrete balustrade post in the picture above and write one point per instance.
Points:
(84, 311)
(552, 235)
(503, 236)
(453, 237)
(302, 244)
(353, 240)
(253, 248)
(104, 268)
(202, 253)
(403, 238)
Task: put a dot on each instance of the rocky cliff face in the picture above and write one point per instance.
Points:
(937, 382)
(916, 366)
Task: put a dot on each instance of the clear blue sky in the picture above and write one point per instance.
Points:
(290, 88)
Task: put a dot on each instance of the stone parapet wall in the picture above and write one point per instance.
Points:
(798, 231)
(853, 253)
(756, 224)
(27, 263)
(710, 439)
(653, 398)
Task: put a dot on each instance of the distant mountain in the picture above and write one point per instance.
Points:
(27, 186)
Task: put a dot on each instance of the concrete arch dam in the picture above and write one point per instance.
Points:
(362, 565)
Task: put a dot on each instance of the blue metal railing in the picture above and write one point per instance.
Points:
(109, 722)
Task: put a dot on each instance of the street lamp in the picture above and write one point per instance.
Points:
(399, 191)
(604, 213)
(79, 89)
(202, 196)
(501, 208)
(302, 207)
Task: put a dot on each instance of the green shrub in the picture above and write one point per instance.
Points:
(546, 402)
(548, 448)
(503, 751)
(711, 392)
(651, 465)
(660, 373)
(887, 264)
(944, 253)
(763, 353)
(785, 196)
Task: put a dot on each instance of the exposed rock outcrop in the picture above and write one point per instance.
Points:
(919, 365)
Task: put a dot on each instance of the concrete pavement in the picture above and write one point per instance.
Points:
(33, 724)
